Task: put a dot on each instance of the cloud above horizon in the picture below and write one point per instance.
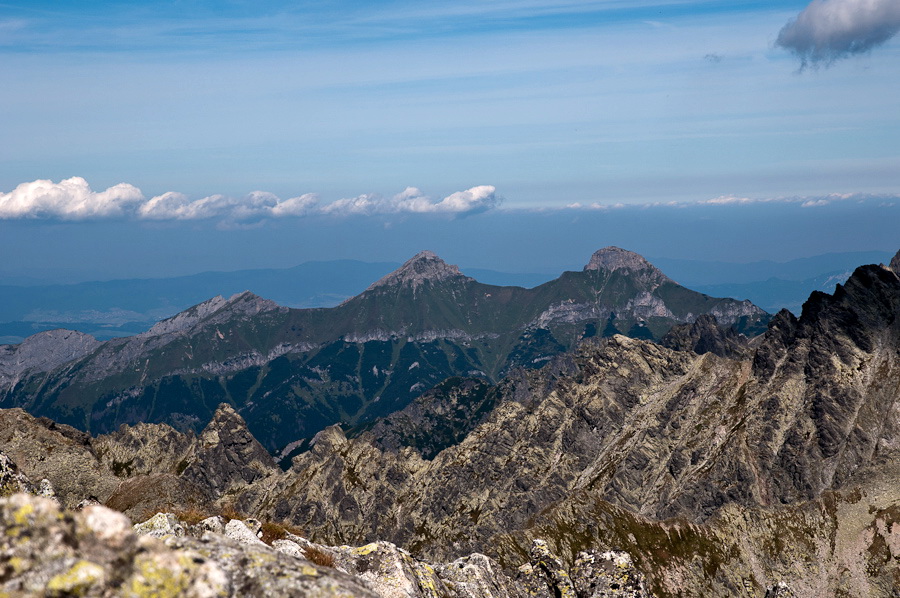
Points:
(827, 30)
(70, 199)
(73, 200)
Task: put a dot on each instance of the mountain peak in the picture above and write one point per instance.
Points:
(422, 267)
(895, 264)
(615, 258)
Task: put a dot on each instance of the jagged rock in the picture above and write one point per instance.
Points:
(391, 571)
(227, 455)
(159, 526)
(11, 480)
(478, 576)
(43, 449)
(545, 576)
(895, 264)
(609, 574)
(289, 547)
(704, 335)
(145, 449)
(440, 418)
(238, 531)
(95, 553)
(214, 524)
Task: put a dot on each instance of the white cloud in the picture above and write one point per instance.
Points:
(73, 199)
(70, 199)
(827, 30)
(727, 199)
(412, 200)
(471, 201)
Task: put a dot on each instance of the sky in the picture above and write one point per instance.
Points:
(163, 138)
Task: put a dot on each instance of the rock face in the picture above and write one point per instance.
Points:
(292, 372)
(227, 455)
(704, 335)
(138, 470)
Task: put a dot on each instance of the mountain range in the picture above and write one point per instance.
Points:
(701, 463)
(115, 308)
(292, 372)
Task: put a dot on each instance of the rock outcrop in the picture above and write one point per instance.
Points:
(95, 552)
(705, 335)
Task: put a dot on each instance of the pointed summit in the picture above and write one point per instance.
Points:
(424, 266)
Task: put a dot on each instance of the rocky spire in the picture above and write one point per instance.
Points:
(895, 264)
(424, 266)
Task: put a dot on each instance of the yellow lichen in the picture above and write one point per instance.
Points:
(367, 549)
(22, 513)
(18, 564)
(77, 580)
(156, 580)
(309, 571)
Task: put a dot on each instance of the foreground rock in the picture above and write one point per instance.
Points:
(95, 552)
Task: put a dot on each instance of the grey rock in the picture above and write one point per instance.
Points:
(94, 553)
(159, 526)
(545, 576)
(238, 531)
(227, 455)
(11, 480)
(215, 524)
(390, 571)
(704, 335)
(610, 574)
(479, 576)
(895, 263)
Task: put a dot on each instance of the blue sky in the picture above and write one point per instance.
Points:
(278, 119)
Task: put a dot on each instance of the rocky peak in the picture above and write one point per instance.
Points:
(228, 454)
(616, 258)
(895, 264)
(423, 267)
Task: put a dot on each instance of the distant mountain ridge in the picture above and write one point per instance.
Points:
(116, 308)
(291, 372)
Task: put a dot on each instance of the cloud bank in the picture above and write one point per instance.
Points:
(70, 199)
(827, 30)
(73, 199)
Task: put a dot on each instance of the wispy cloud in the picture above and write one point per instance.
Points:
(73, 199)
(735, 200)
(827, 30)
